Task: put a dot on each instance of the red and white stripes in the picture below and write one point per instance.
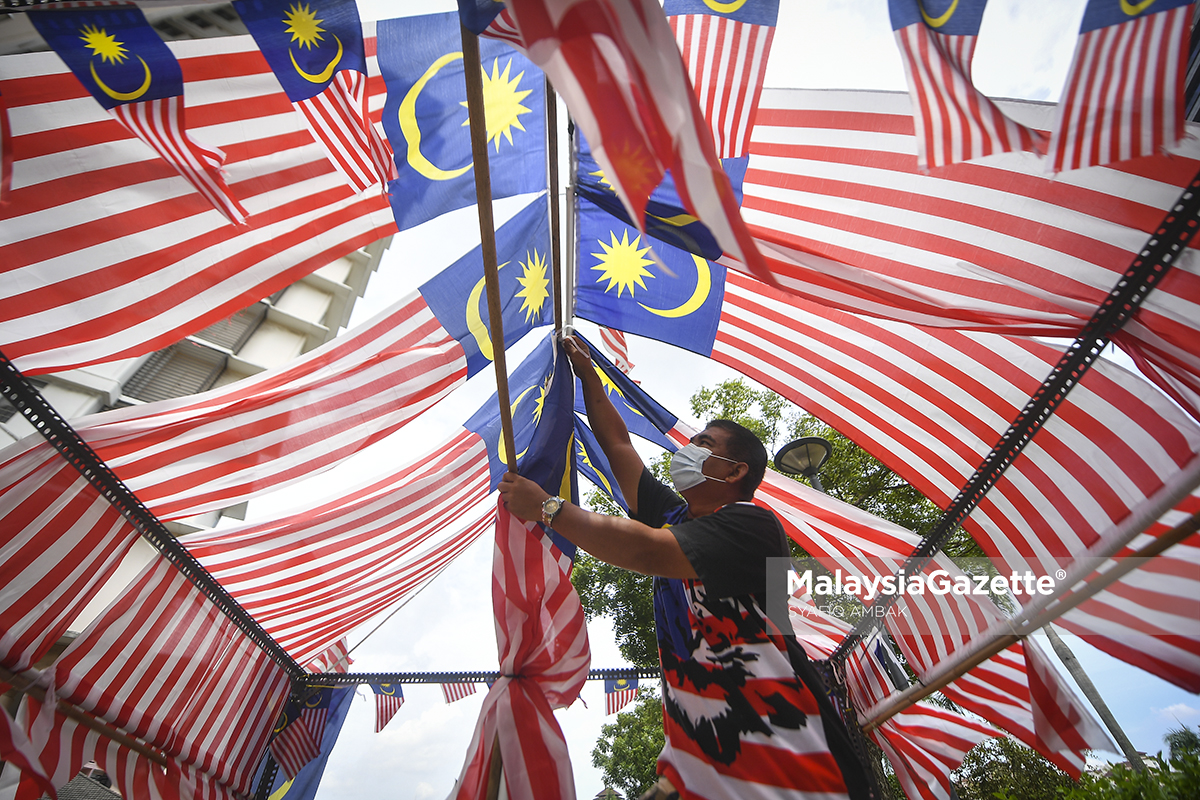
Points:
(340, 120)
(833, 197)
(544, 659)
(164, 664)
(1124, 96)
(311, 577)
(954, 121)
(60, 542)
(160, 124)
(452, 692)
(101, 232)
(617, 347)
(727, 61)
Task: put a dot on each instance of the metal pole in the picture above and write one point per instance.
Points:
(552, 197)
(1036, 615)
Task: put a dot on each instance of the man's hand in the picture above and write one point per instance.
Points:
(522, 496)
(580, 356)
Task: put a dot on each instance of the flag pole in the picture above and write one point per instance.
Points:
(552, 196)
(487, 234)
(473, 70)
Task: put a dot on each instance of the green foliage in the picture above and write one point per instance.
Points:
(1175, 779)
(762, 411)
(627, 750)
(625, 596)
(1003, 768)
(1182, 741)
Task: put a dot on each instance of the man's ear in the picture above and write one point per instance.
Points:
(740, 470)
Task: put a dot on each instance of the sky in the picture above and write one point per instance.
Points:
(1025, 48)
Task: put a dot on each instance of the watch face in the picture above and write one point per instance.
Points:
(552, 505)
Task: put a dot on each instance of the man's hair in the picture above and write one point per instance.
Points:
(744, 446)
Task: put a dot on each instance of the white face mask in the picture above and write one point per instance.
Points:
(687, 466)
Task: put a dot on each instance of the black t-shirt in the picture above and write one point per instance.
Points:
(728, 548)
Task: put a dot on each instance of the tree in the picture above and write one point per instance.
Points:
(1181, 741)
(627, 750)
(1001, 767)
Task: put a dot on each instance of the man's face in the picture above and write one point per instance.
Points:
(716, 440)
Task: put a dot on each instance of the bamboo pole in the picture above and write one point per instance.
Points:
(552, 196)
(23, 684)
(1034, 617)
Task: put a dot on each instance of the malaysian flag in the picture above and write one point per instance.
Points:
(305, 783)
(16, 749)
(540, 629)
(457, 691)
(112, 203)
(617, 67)
(316, 51)
(425, 117)
(618, 693)
(292, 745)
(121, 61)
(1125, 92)
(725, 48)
(388, 699)
(954, 121)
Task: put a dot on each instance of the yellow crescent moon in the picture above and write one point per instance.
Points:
(937, 22)
(703, 287)
(1133, 9)
(483, 339)
(124, 97)
(282, 790)
(725, 8)
(412, 131)
(501, 449)
(387, 688)
(324, 74)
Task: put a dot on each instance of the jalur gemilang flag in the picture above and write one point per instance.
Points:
(120, 60)
(954, 121)
(619, 692)
(1124, 95)
(388, 699)
(316, 51)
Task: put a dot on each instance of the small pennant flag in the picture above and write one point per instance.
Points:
(618, 693)
(457, 691)
(388, 699)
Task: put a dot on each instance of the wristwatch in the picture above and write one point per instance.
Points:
(550, 508)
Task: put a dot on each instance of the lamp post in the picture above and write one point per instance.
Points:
(804, 457)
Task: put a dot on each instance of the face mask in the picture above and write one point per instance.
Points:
(687, 466)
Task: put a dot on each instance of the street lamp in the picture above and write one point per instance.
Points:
(804, 457)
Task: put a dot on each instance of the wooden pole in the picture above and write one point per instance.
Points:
(1033, 618)
(1067, 656)
(552, 196)
(491, 273)
(22, 684)
(487, 233)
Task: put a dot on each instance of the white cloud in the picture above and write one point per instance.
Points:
(1178, 712)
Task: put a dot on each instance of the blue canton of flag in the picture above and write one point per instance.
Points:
(425, 118)
(642, 416)
(306, 781)
(115, 54)
(1102, 13)
(592, 464)
(542, 397)
(618, 692)
(620, 284)
(948, 17)
(476, 15)
(306, 43)
(666, 218)
(457, 298)
(754, 12)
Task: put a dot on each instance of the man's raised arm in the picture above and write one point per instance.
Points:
(606, 423)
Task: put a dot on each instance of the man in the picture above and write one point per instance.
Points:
(745, 714)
